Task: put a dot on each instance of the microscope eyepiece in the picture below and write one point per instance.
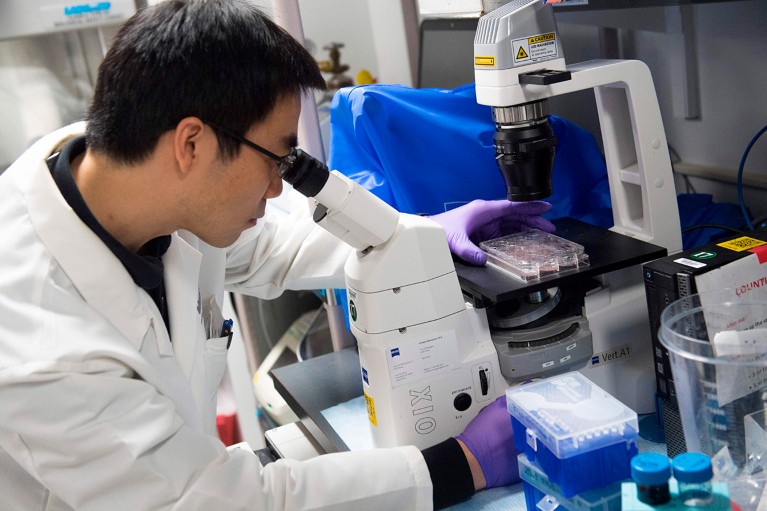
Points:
(308, 175)
(524, 148)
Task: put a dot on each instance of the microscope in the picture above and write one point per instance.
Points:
(429, 359)
(519, 64)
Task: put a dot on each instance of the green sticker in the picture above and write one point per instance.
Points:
(353, 310)
(703, 255)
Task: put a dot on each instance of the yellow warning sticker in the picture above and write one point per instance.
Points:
(371, 406)
(541, 38)
(488, 60)
(742, 243)
(536, 48)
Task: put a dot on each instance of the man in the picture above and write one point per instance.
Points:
(118, 245)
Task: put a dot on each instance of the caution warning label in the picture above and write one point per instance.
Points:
(741, 244)
(536, 48)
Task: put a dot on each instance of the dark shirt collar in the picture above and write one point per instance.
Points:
(146, 268)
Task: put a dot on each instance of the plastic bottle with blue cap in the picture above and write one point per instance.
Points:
(693, 473)
(651, 473)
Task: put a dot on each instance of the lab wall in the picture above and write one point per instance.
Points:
(355, 24)
(43, 86)
(379, 36)
(732, 62)
(725, 48)
(340, 21)
(46, 82)
(726, 42)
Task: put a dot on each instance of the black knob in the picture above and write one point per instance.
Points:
(462, 402)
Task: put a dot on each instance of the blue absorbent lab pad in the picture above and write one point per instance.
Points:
(580, 436)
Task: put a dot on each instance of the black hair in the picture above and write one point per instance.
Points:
(223, 61)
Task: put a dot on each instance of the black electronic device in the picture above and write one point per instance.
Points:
(446, 57)
(669, 279)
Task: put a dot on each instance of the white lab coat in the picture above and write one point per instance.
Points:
(100, 411)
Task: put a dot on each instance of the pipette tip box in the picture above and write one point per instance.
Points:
(581, 436)
(534, 254)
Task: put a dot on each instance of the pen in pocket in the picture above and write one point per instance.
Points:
(226, 331)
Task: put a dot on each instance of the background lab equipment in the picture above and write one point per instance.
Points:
(49, 53)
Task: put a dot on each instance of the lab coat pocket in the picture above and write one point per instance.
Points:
(216, 350)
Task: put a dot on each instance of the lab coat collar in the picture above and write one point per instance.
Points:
(182, 268)
(96, 273)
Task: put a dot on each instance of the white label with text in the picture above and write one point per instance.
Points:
(416, 359)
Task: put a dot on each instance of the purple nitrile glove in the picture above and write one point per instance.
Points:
(482, 220)
(490, 439)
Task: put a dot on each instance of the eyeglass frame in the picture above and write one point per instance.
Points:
(284, 163)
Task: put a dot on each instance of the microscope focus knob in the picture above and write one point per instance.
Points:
(462, 402)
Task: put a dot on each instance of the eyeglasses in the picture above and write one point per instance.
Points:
(284, 163)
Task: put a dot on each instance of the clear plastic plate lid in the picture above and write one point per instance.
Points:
(534, 254)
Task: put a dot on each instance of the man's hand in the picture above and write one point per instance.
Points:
(482, 220)
(490, 441)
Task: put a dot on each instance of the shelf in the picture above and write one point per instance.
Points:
(723, 175)
(594, 5)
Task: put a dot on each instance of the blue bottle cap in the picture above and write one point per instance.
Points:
(650, 469)
(692, 467)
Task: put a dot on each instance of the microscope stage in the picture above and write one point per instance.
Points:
(608, 251)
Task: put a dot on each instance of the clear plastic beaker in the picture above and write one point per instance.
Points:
(717, 344)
